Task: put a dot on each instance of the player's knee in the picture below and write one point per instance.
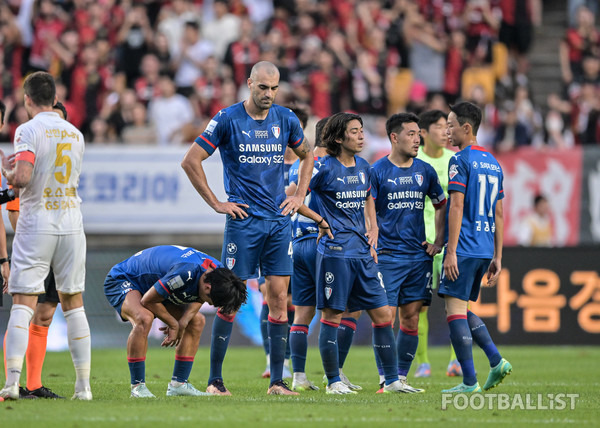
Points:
(143, 322)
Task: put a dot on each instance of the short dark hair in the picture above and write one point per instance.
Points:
(539, 198)
(428, 118)
(227, 291)
(319, 132)
(40, 87)
(2, 112)
(301, 114)
(396, 121)
(467, 112)
(60, 106)
(335, 129)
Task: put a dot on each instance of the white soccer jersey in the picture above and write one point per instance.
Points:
(49, 204)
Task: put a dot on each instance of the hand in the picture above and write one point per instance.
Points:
(5, 268)
(431, 249)
(451, 266)
(324, 229)
(291, 205)
(493, 272)
(372, 236)
(173, 336)
(374, 255)
(233, 209)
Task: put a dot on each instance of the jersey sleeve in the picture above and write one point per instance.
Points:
(24, 139)
(296, 133)
(501, 185)
(435, 191)
(318, 175)
(215, 133)
(177, 277)
(457, 174)
(293, 174)
(374, 182)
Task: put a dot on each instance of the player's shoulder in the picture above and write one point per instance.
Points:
(447, 153)
(362, 162)
(380, 163)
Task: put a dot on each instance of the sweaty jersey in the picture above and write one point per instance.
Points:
(340, 194)
(252, 154)
(49, 203)
(303, 227)
(476, 173)
(399, 195)
(172, 270)
(441, 168)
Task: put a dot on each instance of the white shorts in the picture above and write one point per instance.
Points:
(32, 256)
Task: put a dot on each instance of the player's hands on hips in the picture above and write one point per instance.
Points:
(372, 236)
(233, 209)
(374, 254)
(5, 267)
(431, 249)
(291, 205)
(451, 266)
(324, 229)
(173, 336)
(493, 272)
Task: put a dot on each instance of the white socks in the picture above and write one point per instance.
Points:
(80, 345)
(17, 337)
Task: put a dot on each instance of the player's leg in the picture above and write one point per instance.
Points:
(499, 367)
(38, 338)
(291, 314)
(68, 264)
(17, 336)
(264, 325)
(304, 299)
(346, 332)
(408, 340)
(141, 320)
(185, 353)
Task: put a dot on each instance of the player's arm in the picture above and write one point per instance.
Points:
(455, 215)
(307, 161)
(191, 309)
(192, 165)
(324, 228)
(18, 168)
(372, 228)
(154, 303)
(440, 228)
(4, 264)
(496, 263)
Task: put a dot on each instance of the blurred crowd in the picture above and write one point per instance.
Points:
(155, 71)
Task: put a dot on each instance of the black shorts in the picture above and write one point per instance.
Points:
(51, 295)
(517, 37)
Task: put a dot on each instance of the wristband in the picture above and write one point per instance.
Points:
(322, 220)
(4, 260)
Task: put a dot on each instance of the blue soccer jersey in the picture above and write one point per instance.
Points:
(252, 154)
(399, 201)
(340, 194)
(172, 270)
(303, 227)
(476, 173)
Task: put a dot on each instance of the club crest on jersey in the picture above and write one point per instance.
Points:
(230, 262)
(328, 292)
(361, 175)
(329, 277)
(276, 130)
(475, 164)
(419, 178)
(231, 248)
(453, 172)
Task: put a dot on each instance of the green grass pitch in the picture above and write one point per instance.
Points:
(537, 370)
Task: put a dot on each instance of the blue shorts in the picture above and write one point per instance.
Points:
(115, 290)
(252, 242)
(406, 280)
(353, 284)
(470, 274)
(304, 283)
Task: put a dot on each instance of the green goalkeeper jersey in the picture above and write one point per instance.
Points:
(441, 168)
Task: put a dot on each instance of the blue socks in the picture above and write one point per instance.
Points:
(385, 350)
(137, 370)
(299, 346)
(219, 341)
(264, 326)
(278, 334)
(482, 338)
(291, 312)
(183, 368)
(407, 343)
(328, 346)
(346, 332)
(460, 335)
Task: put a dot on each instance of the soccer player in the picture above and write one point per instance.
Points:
(304, 282)
(433, 151)
(45, 168)
(170, 283)
(475, 227)
(346, 271)
(252, 137)
(4, 260)
(400, 184)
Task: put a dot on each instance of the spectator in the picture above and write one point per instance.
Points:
(242, 53)
(170, 113)
(139, 131)
(192, 53)
(223, 29)
(146, 86)
(510, 133)
(172, 21)
(536, 229)
(135, 38)
(582, 39)
(47, 26)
